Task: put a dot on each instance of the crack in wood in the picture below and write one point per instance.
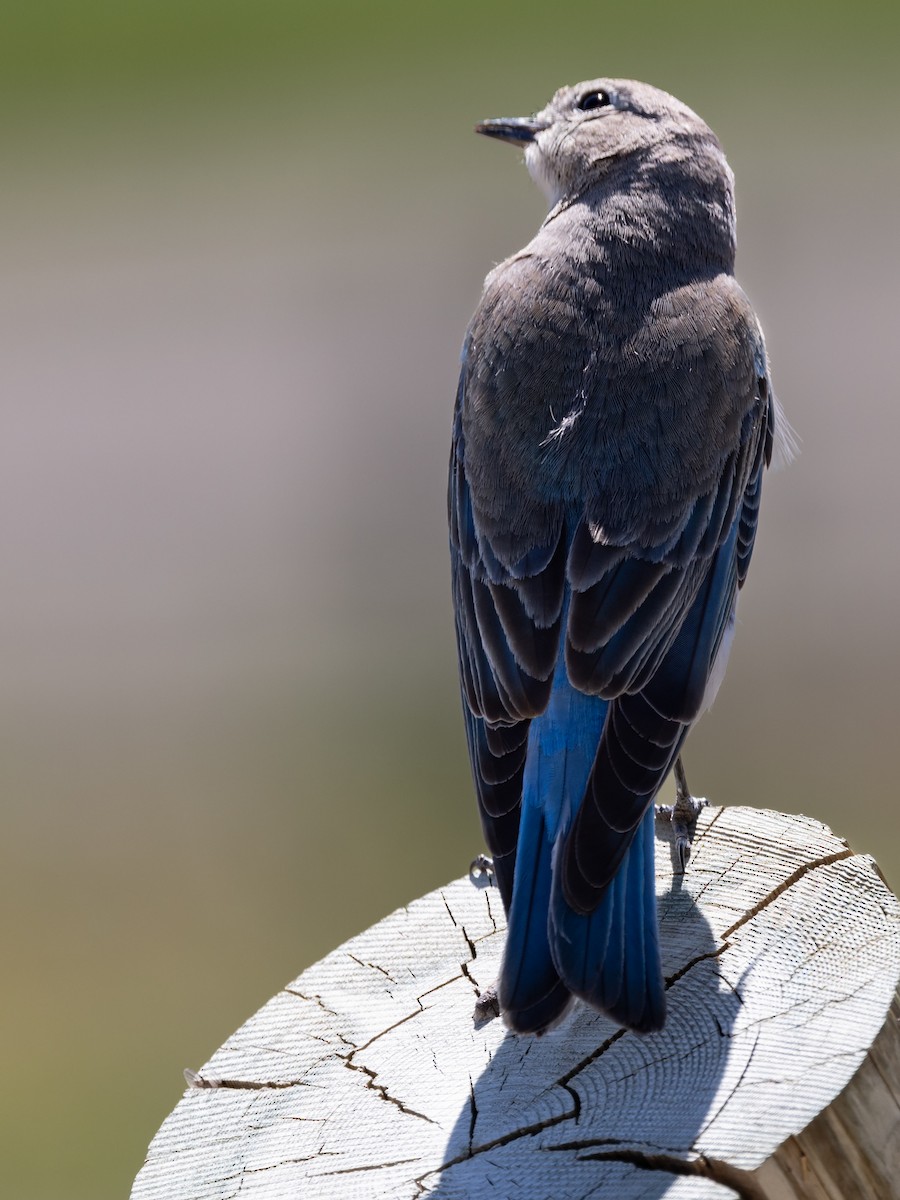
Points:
(400, 1162)
(349, 1059)
(384, 1032)
(671, 980)
(743, 1075)
(494, 1144)
(372, 967)
(195, 1080)
(789, 882)
(316, 1000)
(711, 882)
(811, 1068)
(565, 1080)
(448, 908)
(464, 966)
(379, 1088)
(703, 1166)
(287, 1161)
(468, 975)
(473, 953)
(487, 899)
(768, 899)
(473, 1116)
(244, 1171)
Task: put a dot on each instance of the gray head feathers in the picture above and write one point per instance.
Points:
(590, 129)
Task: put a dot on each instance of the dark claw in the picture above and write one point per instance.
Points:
(487, 1007)
(481, 870)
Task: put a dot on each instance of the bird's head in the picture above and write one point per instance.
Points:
(586, 129)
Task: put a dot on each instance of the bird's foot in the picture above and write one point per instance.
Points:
(481, 870)
(682, 814)
(487, 1007)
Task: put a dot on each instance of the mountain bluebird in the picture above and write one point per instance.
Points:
(613, 420)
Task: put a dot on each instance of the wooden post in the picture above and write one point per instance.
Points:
(777, 1076)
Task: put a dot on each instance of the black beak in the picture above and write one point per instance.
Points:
(517, 130)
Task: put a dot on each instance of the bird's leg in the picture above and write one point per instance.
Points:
(683, 813)
(487, 1005)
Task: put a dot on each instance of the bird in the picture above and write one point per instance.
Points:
(613, 421)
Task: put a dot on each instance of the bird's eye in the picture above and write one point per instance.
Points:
(591, 100)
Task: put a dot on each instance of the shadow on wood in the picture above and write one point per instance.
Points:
(367, 1077)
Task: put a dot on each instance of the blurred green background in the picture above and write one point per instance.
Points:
(240, 244)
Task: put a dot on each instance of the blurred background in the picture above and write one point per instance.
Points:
(240, 244)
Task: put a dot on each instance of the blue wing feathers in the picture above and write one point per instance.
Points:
(747, 526)
(635, 759)
(495, 768)
(606, 668)
(501, 739)
(677, 689)
(542, 593)
(533, 646)
(524, 695)
(602, 609)
(498, 780)
(590, 560)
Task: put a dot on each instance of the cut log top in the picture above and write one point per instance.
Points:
(776, 1077)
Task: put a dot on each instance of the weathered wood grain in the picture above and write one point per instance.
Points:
(777, 1076)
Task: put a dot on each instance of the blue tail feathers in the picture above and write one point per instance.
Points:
(531, 993)
(610, 956)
